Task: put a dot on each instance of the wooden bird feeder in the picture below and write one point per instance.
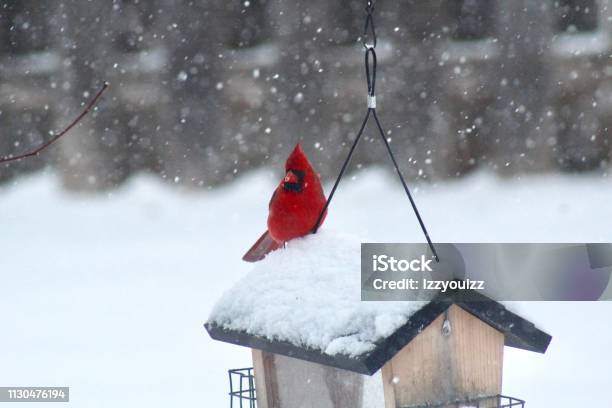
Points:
(448, 354)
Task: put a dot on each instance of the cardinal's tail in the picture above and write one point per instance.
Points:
(264, 245)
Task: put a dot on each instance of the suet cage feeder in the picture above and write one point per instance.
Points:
(242, 388)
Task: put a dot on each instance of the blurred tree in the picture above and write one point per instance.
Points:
(576, 15)
(474, 19)
(28, 66)
(203, 91)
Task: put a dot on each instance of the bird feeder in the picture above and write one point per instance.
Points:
(448, 354)
(319, 345)
(315, 344)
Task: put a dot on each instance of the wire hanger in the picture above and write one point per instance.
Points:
(369, 42)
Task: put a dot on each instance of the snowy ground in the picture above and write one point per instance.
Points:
(108, 294)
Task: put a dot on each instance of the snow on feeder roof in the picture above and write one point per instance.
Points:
(304, 302)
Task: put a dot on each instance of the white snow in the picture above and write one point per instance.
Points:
(309, 295)
(108, 294)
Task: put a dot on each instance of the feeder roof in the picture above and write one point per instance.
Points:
(304, 302)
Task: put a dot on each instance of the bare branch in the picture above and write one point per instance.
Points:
(54, 139)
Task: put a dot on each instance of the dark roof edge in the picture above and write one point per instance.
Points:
(284, 348)
(518, 333)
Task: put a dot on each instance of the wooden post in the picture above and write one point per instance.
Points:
(435, 368)
(262, 367)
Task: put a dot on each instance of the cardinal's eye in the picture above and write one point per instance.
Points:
(291, 178)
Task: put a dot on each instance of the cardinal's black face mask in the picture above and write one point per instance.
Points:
(297, 186)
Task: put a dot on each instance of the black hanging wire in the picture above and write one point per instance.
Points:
(369, 41)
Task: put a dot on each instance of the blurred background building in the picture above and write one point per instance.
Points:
(202, 91)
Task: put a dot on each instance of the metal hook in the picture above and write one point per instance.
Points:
(368, 39)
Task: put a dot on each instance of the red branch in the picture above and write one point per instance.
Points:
(72, 124)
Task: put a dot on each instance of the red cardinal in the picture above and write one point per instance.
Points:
(294, 207)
